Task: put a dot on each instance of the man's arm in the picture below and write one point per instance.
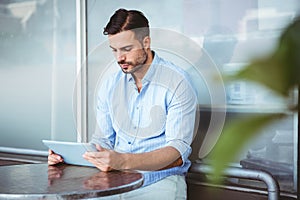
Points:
(149, 161)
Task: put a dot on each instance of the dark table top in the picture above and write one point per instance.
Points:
(40, 181)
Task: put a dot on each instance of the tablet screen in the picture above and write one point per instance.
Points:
(71, 151)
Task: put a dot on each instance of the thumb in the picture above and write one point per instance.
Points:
(50, 152)
(99, 148)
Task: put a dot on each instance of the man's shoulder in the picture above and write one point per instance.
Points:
(172, 73)
(114, 77)
(110, 81)
(168, 67)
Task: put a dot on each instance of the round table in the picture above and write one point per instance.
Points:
(40, 181)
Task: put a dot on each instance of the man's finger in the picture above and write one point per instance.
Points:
(99, 148)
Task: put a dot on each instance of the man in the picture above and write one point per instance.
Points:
(145, 113)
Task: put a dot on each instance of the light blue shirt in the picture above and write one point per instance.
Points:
(161, 114)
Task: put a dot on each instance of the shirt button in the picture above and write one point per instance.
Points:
(129, 142)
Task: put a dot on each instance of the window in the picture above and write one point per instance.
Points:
(37, 72)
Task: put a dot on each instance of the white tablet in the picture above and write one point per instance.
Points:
(71, 151)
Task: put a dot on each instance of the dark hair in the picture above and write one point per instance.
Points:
(124, 20)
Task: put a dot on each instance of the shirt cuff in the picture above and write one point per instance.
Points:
(183, 148)
(105, 144)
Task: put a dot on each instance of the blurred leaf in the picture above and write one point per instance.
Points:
(233, 139)
(279, 71)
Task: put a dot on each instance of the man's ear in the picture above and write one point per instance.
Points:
(146, 42)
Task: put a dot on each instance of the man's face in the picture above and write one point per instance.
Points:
(129, 52)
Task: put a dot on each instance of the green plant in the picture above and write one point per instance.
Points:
(280, 71)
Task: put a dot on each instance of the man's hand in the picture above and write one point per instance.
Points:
(104, 159)
(53, 158)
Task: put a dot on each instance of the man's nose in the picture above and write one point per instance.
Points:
(121, 56)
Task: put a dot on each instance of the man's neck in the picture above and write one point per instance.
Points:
(139, 75)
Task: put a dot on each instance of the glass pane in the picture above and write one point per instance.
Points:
(37, 72)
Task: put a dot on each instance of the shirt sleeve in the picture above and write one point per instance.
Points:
(104, 133)
(181, 119)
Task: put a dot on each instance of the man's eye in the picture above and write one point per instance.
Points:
(114, 50)
(127, 49)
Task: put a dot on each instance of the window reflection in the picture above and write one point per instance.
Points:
(36, 72)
